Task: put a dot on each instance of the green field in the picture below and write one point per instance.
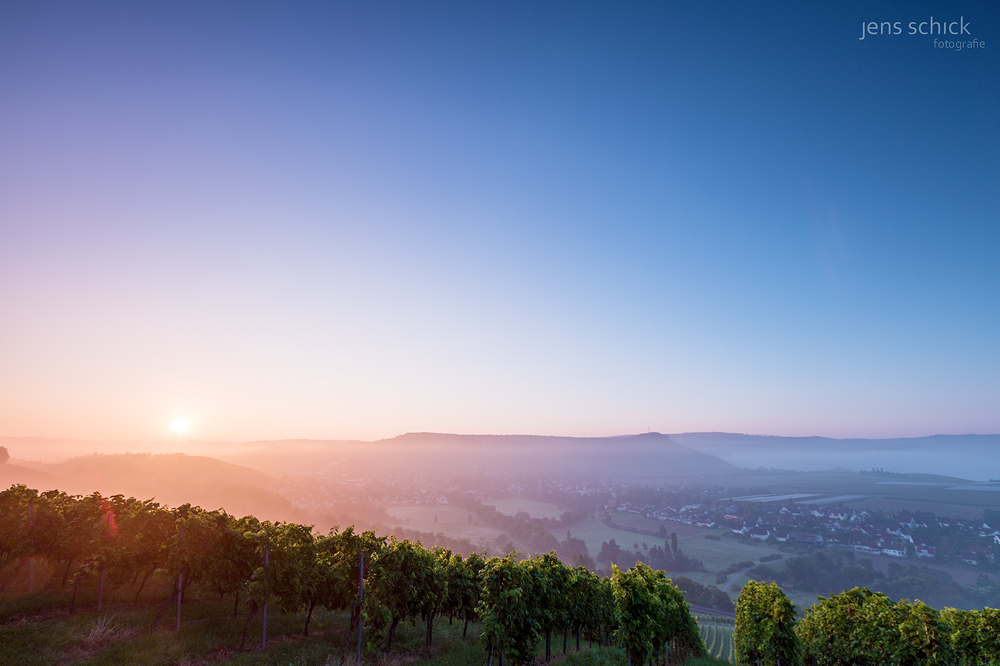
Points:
(451, 520)
(884, 493)
(637, 521)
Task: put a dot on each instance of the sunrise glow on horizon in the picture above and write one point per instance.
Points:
(353, 221)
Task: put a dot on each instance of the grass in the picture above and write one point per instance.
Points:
(706, 661)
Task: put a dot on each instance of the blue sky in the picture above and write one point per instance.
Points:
(355, 220)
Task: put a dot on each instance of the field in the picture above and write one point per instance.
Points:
(451, 520)
(942, 495)
(637, 521)
(512, 505)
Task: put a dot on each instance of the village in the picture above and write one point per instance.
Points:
(800, 527)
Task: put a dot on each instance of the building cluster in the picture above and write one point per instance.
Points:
(897, 535)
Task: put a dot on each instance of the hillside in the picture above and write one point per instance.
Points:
(172, 479)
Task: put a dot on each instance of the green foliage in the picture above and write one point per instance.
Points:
(510, 625)
(765, 627)
(975, 635)
(861, 627)
(651, 615)
(704, 595)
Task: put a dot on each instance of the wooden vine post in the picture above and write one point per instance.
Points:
(361, 598)
(104, 570)
(31, 551)
(267, 544)
(180, 582)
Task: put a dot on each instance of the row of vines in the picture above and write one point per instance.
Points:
(861, 628)
(718, 641)
(119, 542)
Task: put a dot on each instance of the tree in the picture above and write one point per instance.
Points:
(765, 627)
(4, 456)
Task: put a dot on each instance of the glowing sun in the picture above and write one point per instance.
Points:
(180, 425)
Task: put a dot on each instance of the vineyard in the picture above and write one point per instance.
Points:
(94, 549)
(65, 560)
(718, 639)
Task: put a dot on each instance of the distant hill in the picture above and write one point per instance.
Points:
(964, 456)
(171, 479)
(645, 455)
(11, 474)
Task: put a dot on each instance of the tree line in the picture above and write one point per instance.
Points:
(119, 542)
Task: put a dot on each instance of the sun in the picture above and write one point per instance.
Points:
(180, 425)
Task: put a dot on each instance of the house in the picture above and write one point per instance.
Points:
(781, 536)
(894, 550)
(805, 537)
(981, 550)
(866, 547)
(926, 551)
(761, 533)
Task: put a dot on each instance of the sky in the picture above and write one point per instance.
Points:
(353, 220)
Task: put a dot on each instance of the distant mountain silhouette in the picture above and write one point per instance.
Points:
(645, 455)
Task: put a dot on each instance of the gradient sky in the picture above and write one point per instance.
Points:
(353, 220)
